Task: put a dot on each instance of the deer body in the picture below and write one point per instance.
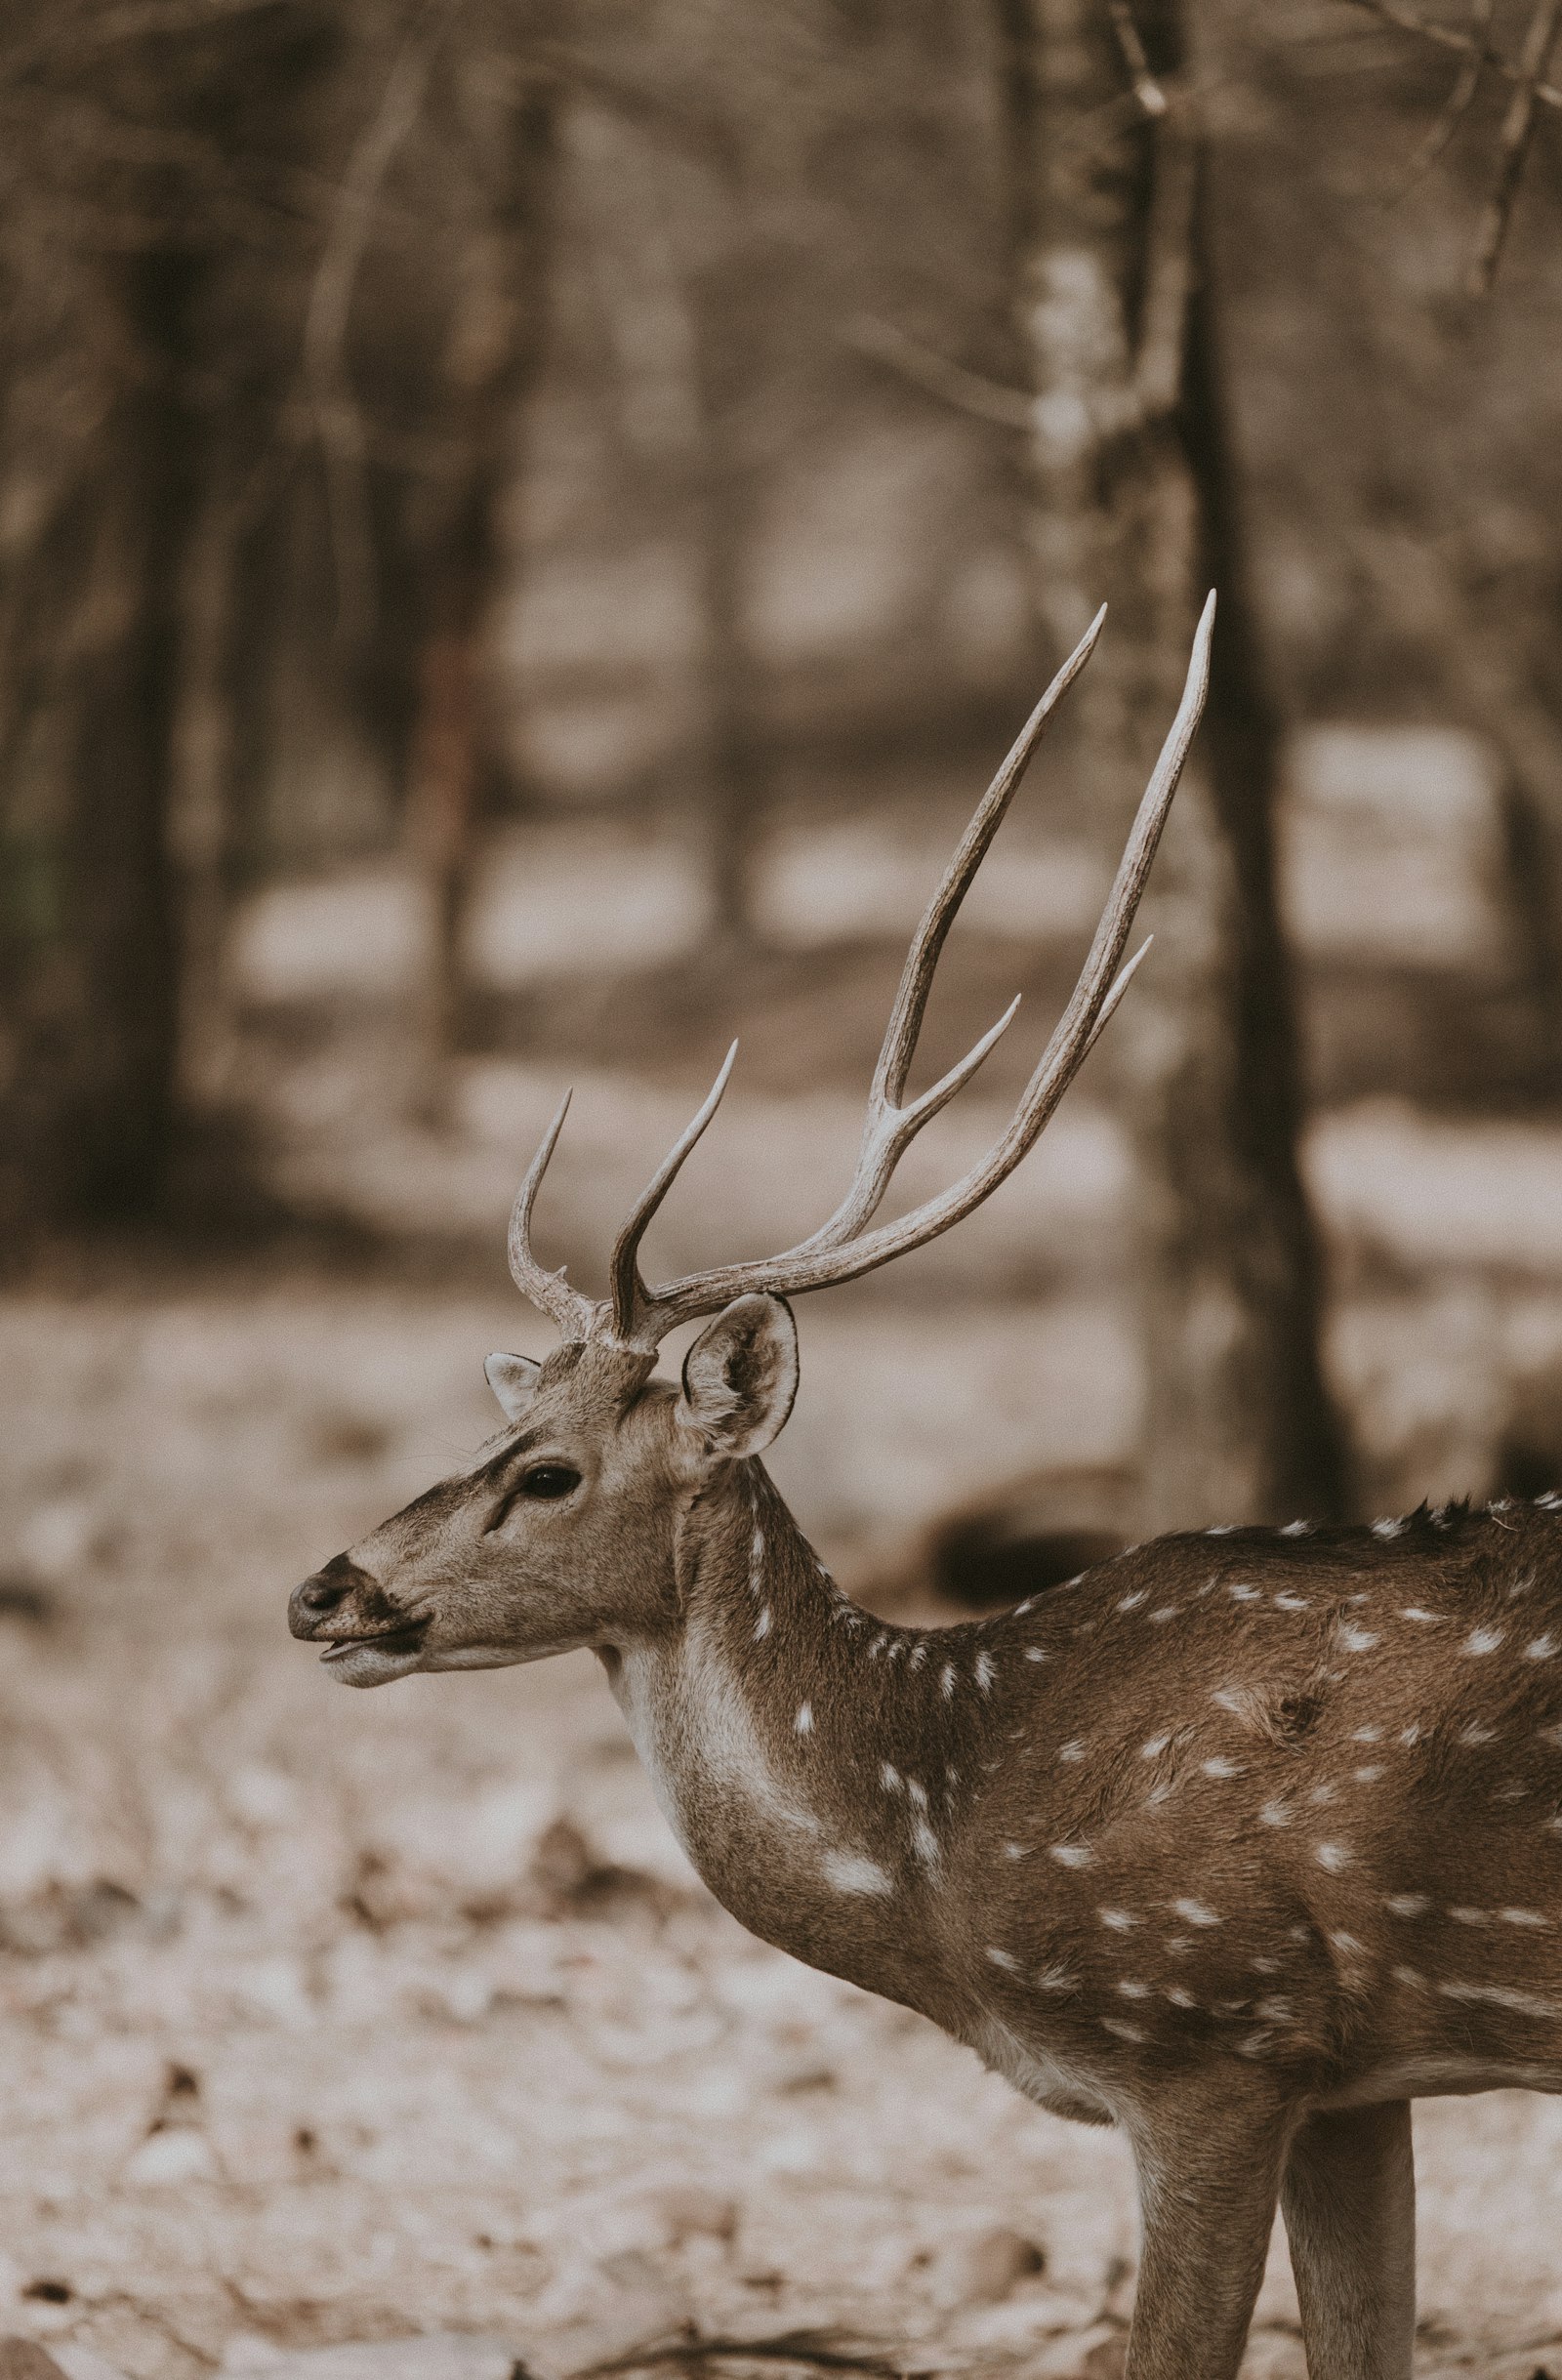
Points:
(1238, 1841)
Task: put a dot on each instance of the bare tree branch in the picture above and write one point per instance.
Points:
(1448, 37)
(339, 424)
(1513, 146)
(1146, 90)
(1459, 101)
(988, 400)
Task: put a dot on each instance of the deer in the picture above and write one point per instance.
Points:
(1241, 1841)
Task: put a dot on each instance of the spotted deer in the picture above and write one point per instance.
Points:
(1239, 1840)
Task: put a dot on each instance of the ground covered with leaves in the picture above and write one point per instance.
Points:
(328, 2017)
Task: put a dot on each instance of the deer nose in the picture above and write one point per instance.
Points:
(321, 1595)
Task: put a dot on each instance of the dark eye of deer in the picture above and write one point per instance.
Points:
(550, 1480)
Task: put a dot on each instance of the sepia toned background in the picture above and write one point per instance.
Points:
(524, 531)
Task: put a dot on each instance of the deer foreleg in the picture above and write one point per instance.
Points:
(1208, 2180)
(1349, 2199)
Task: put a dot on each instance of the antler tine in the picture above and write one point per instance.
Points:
(631, 1298)
(822, 1260)
(904, 1028)
(550, 1291)
(888, 1129)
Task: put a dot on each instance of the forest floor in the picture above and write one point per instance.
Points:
(328, 2017)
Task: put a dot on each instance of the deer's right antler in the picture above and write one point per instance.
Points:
(845, 1247)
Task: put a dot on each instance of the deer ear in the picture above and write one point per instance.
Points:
(513, 1378)
(740, 1376)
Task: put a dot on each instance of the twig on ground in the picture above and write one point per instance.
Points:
(819, 2350)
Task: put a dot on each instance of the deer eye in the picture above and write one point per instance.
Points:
(550, 1480)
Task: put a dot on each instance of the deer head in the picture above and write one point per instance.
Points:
(566, 1534)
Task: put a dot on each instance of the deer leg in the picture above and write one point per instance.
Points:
(1208, 2190)
(1349, 2199)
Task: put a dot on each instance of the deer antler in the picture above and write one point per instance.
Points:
(843, 1246)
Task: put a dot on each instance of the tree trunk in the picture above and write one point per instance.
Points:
(1130, 501)
(493, 353)
(94, 994)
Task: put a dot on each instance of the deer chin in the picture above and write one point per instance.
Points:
(376, 1660)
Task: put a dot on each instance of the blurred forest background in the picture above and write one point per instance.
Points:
(525, 529)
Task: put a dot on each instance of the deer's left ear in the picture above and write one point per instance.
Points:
(740, 1376)
(513, 1378)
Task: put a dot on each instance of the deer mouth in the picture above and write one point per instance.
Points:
(379, 1644)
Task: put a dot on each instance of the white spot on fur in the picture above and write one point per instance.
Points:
(1471, 1916)
(1072, 1855)
(1292, 1603)
(1056, 1978)
(923, 1842)
(1481, 1640)
(1168, 1611)
(1121, 1920)
(1333, 1856)
(1502, 1996)
(762, 1626)
(804, 1722)
(1540, 1649)
(917, 1793)
(1219, 1766)
(1367, 1735)
(1357, 1640)
(1125, 2032)
(849, 1872)
(1412, 1611)
(1474, 1731)
(1296, 1529)
(1179, 1997)
(1388, 1529)
(1131, 1991)
(1194, 1913)
(984, 1671)
(1347, 1946)
(1035, 1653)
(918, 1653)
(889, 1777)
(1241, 1594)
(947, 1681)
(1370, 1774)
(1411, 1976)
(1132, 1603)
(1072, 1752)
(1017, 1851)
(1002, 1958)
(1154, 1748)
(1406, 1905)
(1523, 1916)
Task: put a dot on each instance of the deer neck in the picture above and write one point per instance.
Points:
(794, 1744)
